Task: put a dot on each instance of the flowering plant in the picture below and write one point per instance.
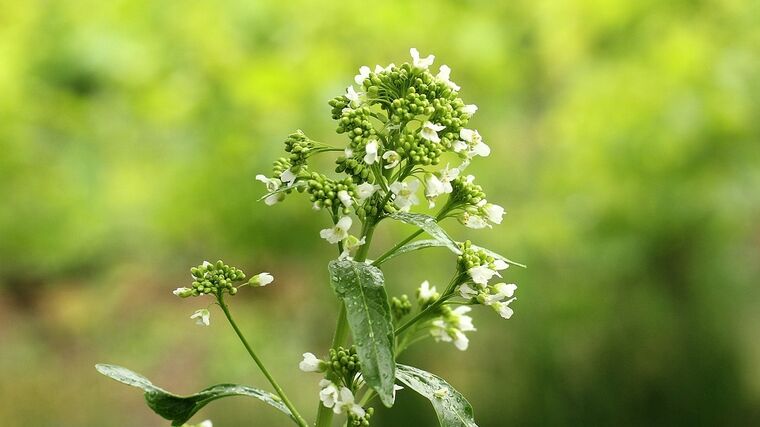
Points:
(400, 124)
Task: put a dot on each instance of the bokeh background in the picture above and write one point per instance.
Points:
(626, 149)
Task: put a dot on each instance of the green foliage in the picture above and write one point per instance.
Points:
(452, 409)
(430, 225)
(179, 409)
(360, 287)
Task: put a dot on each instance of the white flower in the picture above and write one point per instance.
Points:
(206, 423)
(462, 321)
(363, 75)
(371, 156)
(427, 293)
(505, 290)
(328, 393)
(444, 74)
(345, 403)
(500, 264)
(503, 308)
(472, 141)
(365, 190)
(473, 221)
(494, 213)
(349, 245)
(379, 68)
(470, 109)
(345, 198)
(310, 363)
(447, 175)
(288, 177)
(451, 327)
(202, 317)
(467, 292)
(272, 184)
(482, 274)
(352, 95)
(405, 193)
(183, 292)
(337, 232)
(433, 188)
(421, 62)
(392, 158)
(429, 131)
(260, 280)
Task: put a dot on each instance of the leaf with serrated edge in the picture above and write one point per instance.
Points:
(360, 286)
(430, 225)
(179, 409)
(452, 409)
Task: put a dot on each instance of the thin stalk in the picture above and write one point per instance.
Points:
(280, 392)
(420, 315)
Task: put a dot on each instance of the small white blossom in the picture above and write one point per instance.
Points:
(346, 403)
(482, 274)
(467, 292)
(349, 244)
(470, 109)
(434, 187)
(444, 75)
(183, 292)
(379, 68)
(371, 149)
(427, 293)
(329, 393)
(406, 194)
(473, 221)
(503, 308)
(352, 95)
(500, 264)
(452, 327)
(202, 317)
(421, 62)
(447, 175)
(391, 158)
(473, 142)
(494, 213)
(365, 190)
(363, 75)
(337, 232)
(310, 363)
(345, 198)
(260, 280)
(429, 131)
(272, 184)
(288, 177)
(348, 152)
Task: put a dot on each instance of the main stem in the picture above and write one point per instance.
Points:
(325, 414)
(296, 416)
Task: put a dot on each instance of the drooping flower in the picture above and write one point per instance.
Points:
(337, 232)
(421, 62)
(482, 274)
(202, 317)
(371, 149)
(363, 75)
(429, 131)
(311, 363)
(272, 185)
(444, 75)
(365, 190)
(391, 158)
(406, 194)
(260, 280)
(345, 198)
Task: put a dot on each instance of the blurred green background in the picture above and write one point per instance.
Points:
(626, 149)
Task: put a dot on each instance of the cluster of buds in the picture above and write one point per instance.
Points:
(331, 194)
(299, 146)
(481, 268)
(360, 421)
(400, 307)
(215, 279)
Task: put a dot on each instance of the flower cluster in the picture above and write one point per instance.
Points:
(481, 268)
(451, 326)
(400, 307)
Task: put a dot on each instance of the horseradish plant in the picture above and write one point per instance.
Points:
(407, 133)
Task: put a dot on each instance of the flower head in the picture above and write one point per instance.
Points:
(365, 190)
(406, 194)
(337, 232)
(329, 393)
(427, 294)
(371, 149)
(421, 62)
(310, 363)
(452, 325)
(346, 403)
(391, 158)
(482, 274)
(429, 131)
(261, 280)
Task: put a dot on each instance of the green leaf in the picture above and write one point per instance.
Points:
(497, 256)
(414, 246)
(179, 409)
(430, 225)
(452, 408)
(360, 286)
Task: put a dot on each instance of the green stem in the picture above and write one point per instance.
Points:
(392, 250)
(296, 416)
(422, 314)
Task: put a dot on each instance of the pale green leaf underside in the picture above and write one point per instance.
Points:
(452, 409)
(431, 227)
(179, 409)
(430, 243)
(360, 286)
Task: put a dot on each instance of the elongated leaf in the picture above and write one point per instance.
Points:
(431, 227)
(414, 246)
(497, 256)
(452, 408)
(179, 409)
(360, 286)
